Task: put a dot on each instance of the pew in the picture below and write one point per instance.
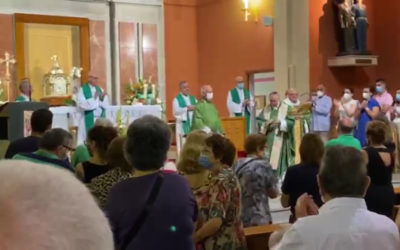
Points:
(257, 237)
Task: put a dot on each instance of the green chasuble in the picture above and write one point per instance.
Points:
(298, 124)
(264, 120)
(21, 98)
(182, 104)
(206, 115)
(89, 114)
(236, 99)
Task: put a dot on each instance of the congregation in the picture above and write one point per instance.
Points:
(115, 192)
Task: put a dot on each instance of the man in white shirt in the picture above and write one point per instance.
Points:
(240, 102)
(183, 107)
(91, 102)
(343, 222)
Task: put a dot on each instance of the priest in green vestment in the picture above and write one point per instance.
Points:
(183, 107)
(206, 115)
(92, 101)
(25, 87)
(240, 102)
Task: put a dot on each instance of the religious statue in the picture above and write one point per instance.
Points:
(360, 15)
(55, 83)
(347, 25)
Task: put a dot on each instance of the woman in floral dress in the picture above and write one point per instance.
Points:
(217, 193)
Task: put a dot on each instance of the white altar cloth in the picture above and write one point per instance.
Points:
(67, 117)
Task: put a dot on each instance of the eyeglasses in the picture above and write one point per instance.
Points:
(69, 148)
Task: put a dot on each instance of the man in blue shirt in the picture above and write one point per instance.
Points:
(321, 114)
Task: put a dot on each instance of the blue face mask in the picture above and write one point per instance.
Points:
(240, 85)
(205, 162)
(379, 89)
(398, 97)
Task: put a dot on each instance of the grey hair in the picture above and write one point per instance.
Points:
(181, 83)
(104, 122)
(274, 93)
(54, 138)
(23, 82)
(47, 208)
(343, 172)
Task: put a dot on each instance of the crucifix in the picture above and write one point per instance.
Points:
(8, 60)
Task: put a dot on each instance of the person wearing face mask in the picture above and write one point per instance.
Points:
(240, 102)
(383, 97)
(369, 110)
(205, 116)
(347, 106)
(321, 114)
(54, 150)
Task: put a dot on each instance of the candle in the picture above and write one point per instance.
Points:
(153, 90)
(145, 91)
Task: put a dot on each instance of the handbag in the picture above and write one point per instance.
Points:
(129, 238)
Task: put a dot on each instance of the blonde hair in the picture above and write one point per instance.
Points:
(190, 153)
(44, 207)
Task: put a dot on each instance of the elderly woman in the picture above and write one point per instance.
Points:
(302, 178)
(97, 142)
(151, 210)
(219, 225)
(257, 181)
(120, 170)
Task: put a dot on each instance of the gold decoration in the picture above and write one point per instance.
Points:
(8, 60)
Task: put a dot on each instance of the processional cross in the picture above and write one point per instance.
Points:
(8, 60)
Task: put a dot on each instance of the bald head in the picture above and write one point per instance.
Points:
(206, 92)
(293, 95)
(103, 122)
(35, 213)
(346, 126)
(25, 86)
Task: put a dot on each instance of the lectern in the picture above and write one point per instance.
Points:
(12, 118)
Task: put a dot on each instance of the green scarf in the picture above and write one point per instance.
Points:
(182, 104)
(236, 99)
(89, 114)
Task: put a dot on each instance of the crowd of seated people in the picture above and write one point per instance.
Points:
(212, 198)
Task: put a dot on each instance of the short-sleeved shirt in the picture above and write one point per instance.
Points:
(300, 179)
(385, 99)
(256, 177)
(346, 140)
(221, 199)
(170, 223)
(28, 144)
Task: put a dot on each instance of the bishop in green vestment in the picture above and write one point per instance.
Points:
(240, 102)
(206, 115)
(25, 88)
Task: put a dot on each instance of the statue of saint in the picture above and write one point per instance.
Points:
(360, 14)
(347, 25)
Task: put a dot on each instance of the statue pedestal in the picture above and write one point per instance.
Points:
(56, 101)
(353, 61)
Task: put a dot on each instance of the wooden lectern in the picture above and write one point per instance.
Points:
(235, 130)
(12, 118)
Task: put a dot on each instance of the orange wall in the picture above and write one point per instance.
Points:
(208, 42)
(181, 54)
(228, 46)
(323, 45)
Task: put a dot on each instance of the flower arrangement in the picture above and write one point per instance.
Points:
(143, 91)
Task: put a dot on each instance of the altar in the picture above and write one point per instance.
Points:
(69, 118)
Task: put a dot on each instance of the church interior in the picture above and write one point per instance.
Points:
(142, 53)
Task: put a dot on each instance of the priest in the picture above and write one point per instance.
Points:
(25, 88)
(240, 102)
(183, 107)
(272, 122)
(205, 115)
(91, 102)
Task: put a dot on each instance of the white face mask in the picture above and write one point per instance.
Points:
(398, 110)
(366, 96)
(347, 96)
(320, 93)
(209, 96)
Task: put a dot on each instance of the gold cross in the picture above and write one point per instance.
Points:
(8, 59)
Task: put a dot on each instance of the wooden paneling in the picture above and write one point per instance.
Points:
(235, 130)
(22, 19)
